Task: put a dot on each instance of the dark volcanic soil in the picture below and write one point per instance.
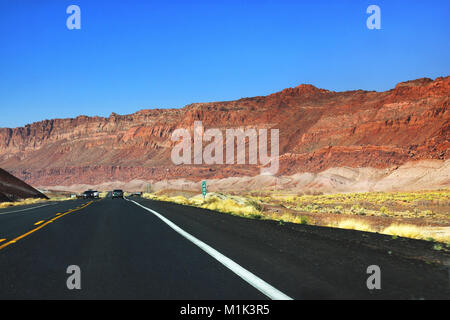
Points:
(12, 189)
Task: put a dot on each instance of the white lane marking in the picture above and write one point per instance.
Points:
(45, 205)
(246, 275)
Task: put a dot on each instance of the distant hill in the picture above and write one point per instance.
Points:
(319, 130)
(12, 189)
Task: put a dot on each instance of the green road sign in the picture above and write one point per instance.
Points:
(204, 188)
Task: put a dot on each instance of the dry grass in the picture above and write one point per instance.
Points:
(353, 224)
(235, 205)
(24, 202)
(215, 202)
(21, 203)
(259, 208)
(431, 205)
(396, 229)
(404, 230)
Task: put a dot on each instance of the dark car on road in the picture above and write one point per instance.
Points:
(117, 194)
(88, 194)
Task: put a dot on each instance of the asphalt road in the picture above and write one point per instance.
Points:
(168, 251)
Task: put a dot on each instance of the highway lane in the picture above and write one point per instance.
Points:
(123, 253)
(310, 262)
(126, 252)
(15, 221)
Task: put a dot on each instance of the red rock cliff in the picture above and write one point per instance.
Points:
(319, 129)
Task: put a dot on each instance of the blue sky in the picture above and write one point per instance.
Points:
(132, 55)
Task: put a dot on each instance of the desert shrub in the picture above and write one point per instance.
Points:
(256, 204)
(337, 210)
(358, 210)
(301, 220)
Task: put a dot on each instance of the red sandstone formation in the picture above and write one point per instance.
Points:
(319, 129)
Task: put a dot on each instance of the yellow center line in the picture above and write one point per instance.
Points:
(41, 226)
(1, 240)
(39, 222)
